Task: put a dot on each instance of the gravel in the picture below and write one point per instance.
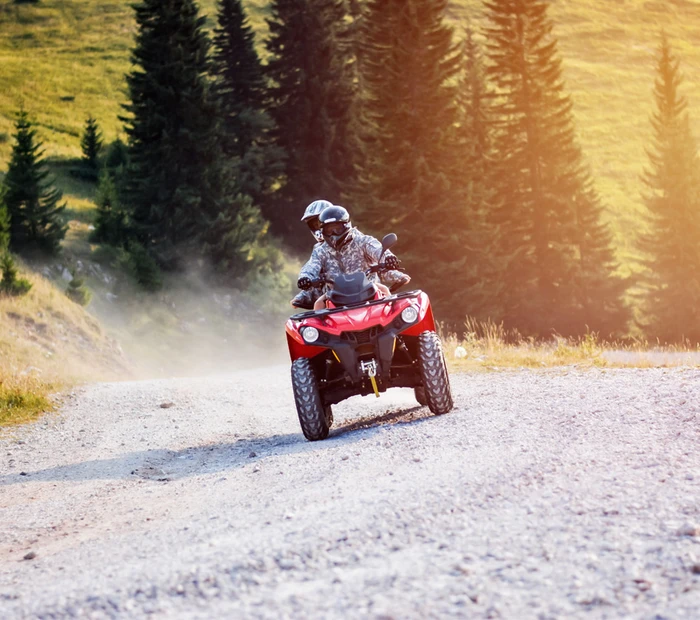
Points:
(561, 493)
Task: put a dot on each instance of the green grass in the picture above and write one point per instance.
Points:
(79, 194)
(23, 404)
(48, 342)
(66, 59)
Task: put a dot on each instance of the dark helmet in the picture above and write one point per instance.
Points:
(336, 226)
(311, 217)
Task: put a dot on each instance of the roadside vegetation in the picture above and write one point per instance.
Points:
(23, 398)
(47, 343)
(488, 347)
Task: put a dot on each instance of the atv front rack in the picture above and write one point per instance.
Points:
(326, 311)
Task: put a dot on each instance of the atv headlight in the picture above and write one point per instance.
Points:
(409, 314)
(310, 335)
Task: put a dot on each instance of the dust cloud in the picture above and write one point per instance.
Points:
(192, 327)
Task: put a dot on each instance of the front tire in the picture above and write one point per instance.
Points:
(314, 418)
(433, 371)
(420, 396)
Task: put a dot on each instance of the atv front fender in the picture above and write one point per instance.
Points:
(299, 349)
(426, 321)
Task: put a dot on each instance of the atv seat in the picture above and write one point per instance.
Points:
(351, 289)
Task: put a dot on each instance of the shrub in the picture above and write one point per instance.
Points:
(143, 268)
(21, 403)
(77, 291)
(10, 283)
(111, 225)
(117, 155)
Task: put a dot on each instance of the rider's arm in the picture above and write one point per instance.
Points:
(372, 249)
(313, 267)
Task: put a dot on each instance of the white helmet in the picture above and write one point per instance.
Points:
(311, 217)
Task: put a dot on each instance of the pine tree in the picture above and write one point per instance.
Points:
(240, 91)
(474, 283)
(142, 267)
(179, 185)
(10, 284)
(4, 223)
(111, 223)
(599, 291)
(116, 156)
(310, 99)
(555, 252)
(672, 283)
(237, 242)
(91, 145)
(36, 217)
(474, 102)
(411, 171)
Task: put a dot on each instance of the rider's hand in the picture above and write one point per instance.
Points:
(304, 283)
(392, 262)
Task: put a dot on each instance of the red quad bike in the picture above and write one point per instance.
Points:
(364, 343)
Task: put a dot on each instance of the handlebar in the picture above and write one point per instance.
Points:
(379, 268)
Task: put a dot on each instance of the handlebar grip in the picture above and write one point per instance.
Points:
(383, 267)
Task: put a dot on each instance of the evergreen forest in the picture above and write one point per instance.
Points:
(458, 135)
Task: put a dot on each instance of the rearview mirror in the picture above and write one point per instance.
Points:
(388, 241)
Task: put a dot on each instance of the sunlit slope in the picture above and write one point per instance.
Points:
(65, 59)
(45, 338)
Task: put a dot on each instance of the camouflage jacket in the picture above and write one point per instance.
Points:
(359, 254)
(306, 299)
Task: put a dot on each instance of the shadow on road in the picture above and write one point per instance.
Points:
(164, 465)
(391, 418)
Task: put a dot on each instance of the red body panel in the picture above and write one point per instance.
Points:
(359, 319)
(426, 322)
(297, 347)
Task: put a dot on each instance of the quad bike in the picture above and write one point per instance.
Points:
(364, 343)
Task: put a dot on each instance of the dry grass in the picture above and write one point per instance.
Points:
(23, 397)
(487, 346)
(48, 342)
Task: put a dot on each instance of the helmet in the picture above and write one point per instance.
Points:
(311, 217)
(336, 226)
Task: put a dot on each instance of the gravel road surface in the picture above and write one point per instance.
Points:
(560, 493)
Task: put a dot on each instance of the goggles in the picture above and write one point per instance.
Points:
(335, 228)
(314, 224)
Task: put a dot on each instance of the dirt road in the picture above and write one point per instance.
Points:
(544, 494)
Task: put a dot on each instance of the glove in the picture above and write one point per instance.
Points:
(392, 262)
(304, 283)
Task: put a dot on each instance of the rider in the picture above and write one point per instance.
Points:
(347, 250)
(306, 298)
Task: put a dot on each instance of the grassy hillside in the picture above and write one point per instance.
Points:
(65, 59)
(47, 342)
